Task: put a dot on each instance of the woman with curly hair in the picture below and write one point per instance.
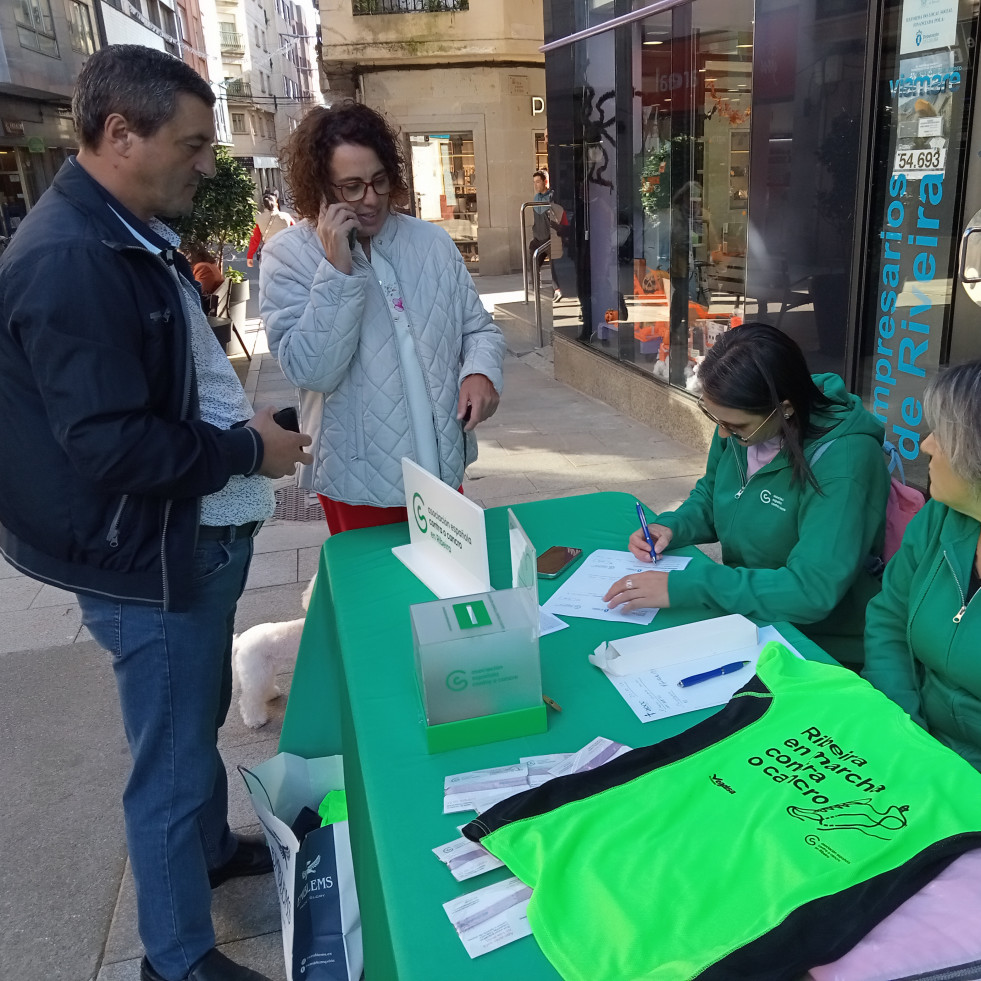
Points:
(374, 316)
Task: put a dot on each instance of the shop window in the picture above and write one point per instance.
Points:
(80, 27)
(541, 151)
(444, 191)
(704, 187)
(35, 26)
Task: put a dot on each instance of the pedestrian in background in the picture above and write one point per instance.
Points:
(135, 473)
(269, 222)
(541, 225)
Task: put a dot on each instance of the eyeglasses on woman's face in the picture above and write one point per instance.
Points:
(729, 427)
(354, 191)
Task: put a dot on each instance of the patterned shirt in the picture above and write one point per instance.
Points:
(221, 399)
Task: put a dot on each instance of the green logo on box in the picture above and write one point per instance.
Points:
(456, 680)
(470, 615)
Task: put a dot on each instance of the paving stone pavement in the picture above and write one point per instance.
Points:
(67, 909)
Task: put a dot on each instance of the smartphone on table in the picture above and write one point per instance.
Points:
(555, 560)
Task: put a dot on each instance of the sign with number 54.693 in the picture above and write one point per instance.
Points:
(917, 163)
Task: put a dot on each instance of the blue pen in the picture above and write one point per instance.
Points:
(646, 531)
(697, 679)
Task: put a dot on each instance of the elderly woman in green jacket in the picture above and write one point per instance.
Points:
(923, 631)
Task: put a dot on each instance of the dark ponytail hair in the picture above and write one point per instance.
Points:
(754, 368)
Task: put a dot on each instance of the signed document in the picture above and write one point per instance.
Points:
(581, 595)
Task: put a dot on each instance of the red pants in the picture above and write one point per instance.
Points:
(347, 517)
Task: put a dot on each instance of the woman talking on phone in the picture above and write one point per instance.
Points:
(794, 491)
(374, 316)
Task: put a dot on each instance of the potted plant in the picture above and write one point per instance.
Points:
(223, 218)
(224, 212)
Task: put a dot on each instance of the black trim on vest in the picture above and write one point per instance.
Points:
(737, 714)
(827, 928)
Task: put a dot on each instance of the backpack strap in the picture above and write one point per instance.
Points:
(820, 450)
(895, 460)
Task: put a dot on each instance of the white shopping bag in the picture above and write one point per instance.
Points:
(314, 878)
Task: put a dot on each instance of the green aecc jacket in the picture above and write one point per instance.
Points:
(922, 642)
(791, 552)
(765, 840)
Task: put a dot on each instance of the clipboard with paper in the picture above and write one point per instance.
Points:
(646, 669)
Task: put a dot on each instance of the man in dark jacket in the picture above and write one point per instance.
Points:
(135, 472)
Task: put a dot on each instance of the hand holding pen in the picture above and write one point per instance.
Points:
(650, 541)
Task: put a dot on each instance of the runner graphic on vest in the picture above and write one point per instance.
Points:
(857, 815)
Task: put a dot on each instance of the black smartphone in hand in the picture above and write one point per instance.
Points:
(287, 419)
(352, 238)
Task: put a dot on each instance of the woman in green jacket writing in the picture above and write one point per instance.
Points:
(923, 632)
(794, 490)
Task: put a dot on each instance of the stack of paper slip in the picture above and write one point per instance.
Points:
(465, 858)
(491, 917)
(478, 790)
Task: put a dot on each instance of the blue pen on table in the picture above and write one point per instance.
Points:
(646, 531)
(697, 679)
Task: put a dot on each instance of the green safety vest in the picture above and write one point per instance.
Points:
(769, 838)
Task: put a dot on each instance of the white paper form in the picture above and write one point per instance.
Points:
(491, 917)
(655, 694)
(581, 595)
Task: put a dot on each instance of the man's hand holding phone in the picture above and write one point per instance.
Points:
(282, 449)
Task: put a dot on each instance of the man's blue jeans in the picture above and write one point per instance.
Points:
(174, 675)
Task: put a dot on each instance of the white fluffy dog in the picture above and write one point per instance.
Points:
(257, 654)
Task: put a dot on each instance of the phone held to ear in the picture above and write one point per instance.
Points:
(555, 560)
(352, 238)
(287, 419)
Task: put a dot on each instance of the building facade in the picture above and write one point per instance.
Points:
(464, 84)
(43, 45)
(269, 66)
(804, 162)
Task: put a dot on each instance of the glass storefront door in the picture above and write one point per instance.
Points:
(443, 188)
(926, 185)
(710, 158)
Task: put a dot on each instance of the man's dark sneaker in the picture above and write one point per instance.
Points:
(214, 966)
(251, 858)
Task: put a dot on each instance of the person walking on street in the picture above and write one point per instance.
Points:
(269, 222)
(135, 473)
(541, 226)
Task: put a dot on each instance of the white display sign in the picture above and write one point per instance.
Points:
(917, 163)
(928, 24)
(447, 547)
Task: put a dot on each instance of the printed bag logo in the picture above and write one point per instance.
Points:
(856, 815)
(311, 867)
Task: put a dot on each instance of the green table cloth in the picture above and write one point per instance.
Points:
(354, 692)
